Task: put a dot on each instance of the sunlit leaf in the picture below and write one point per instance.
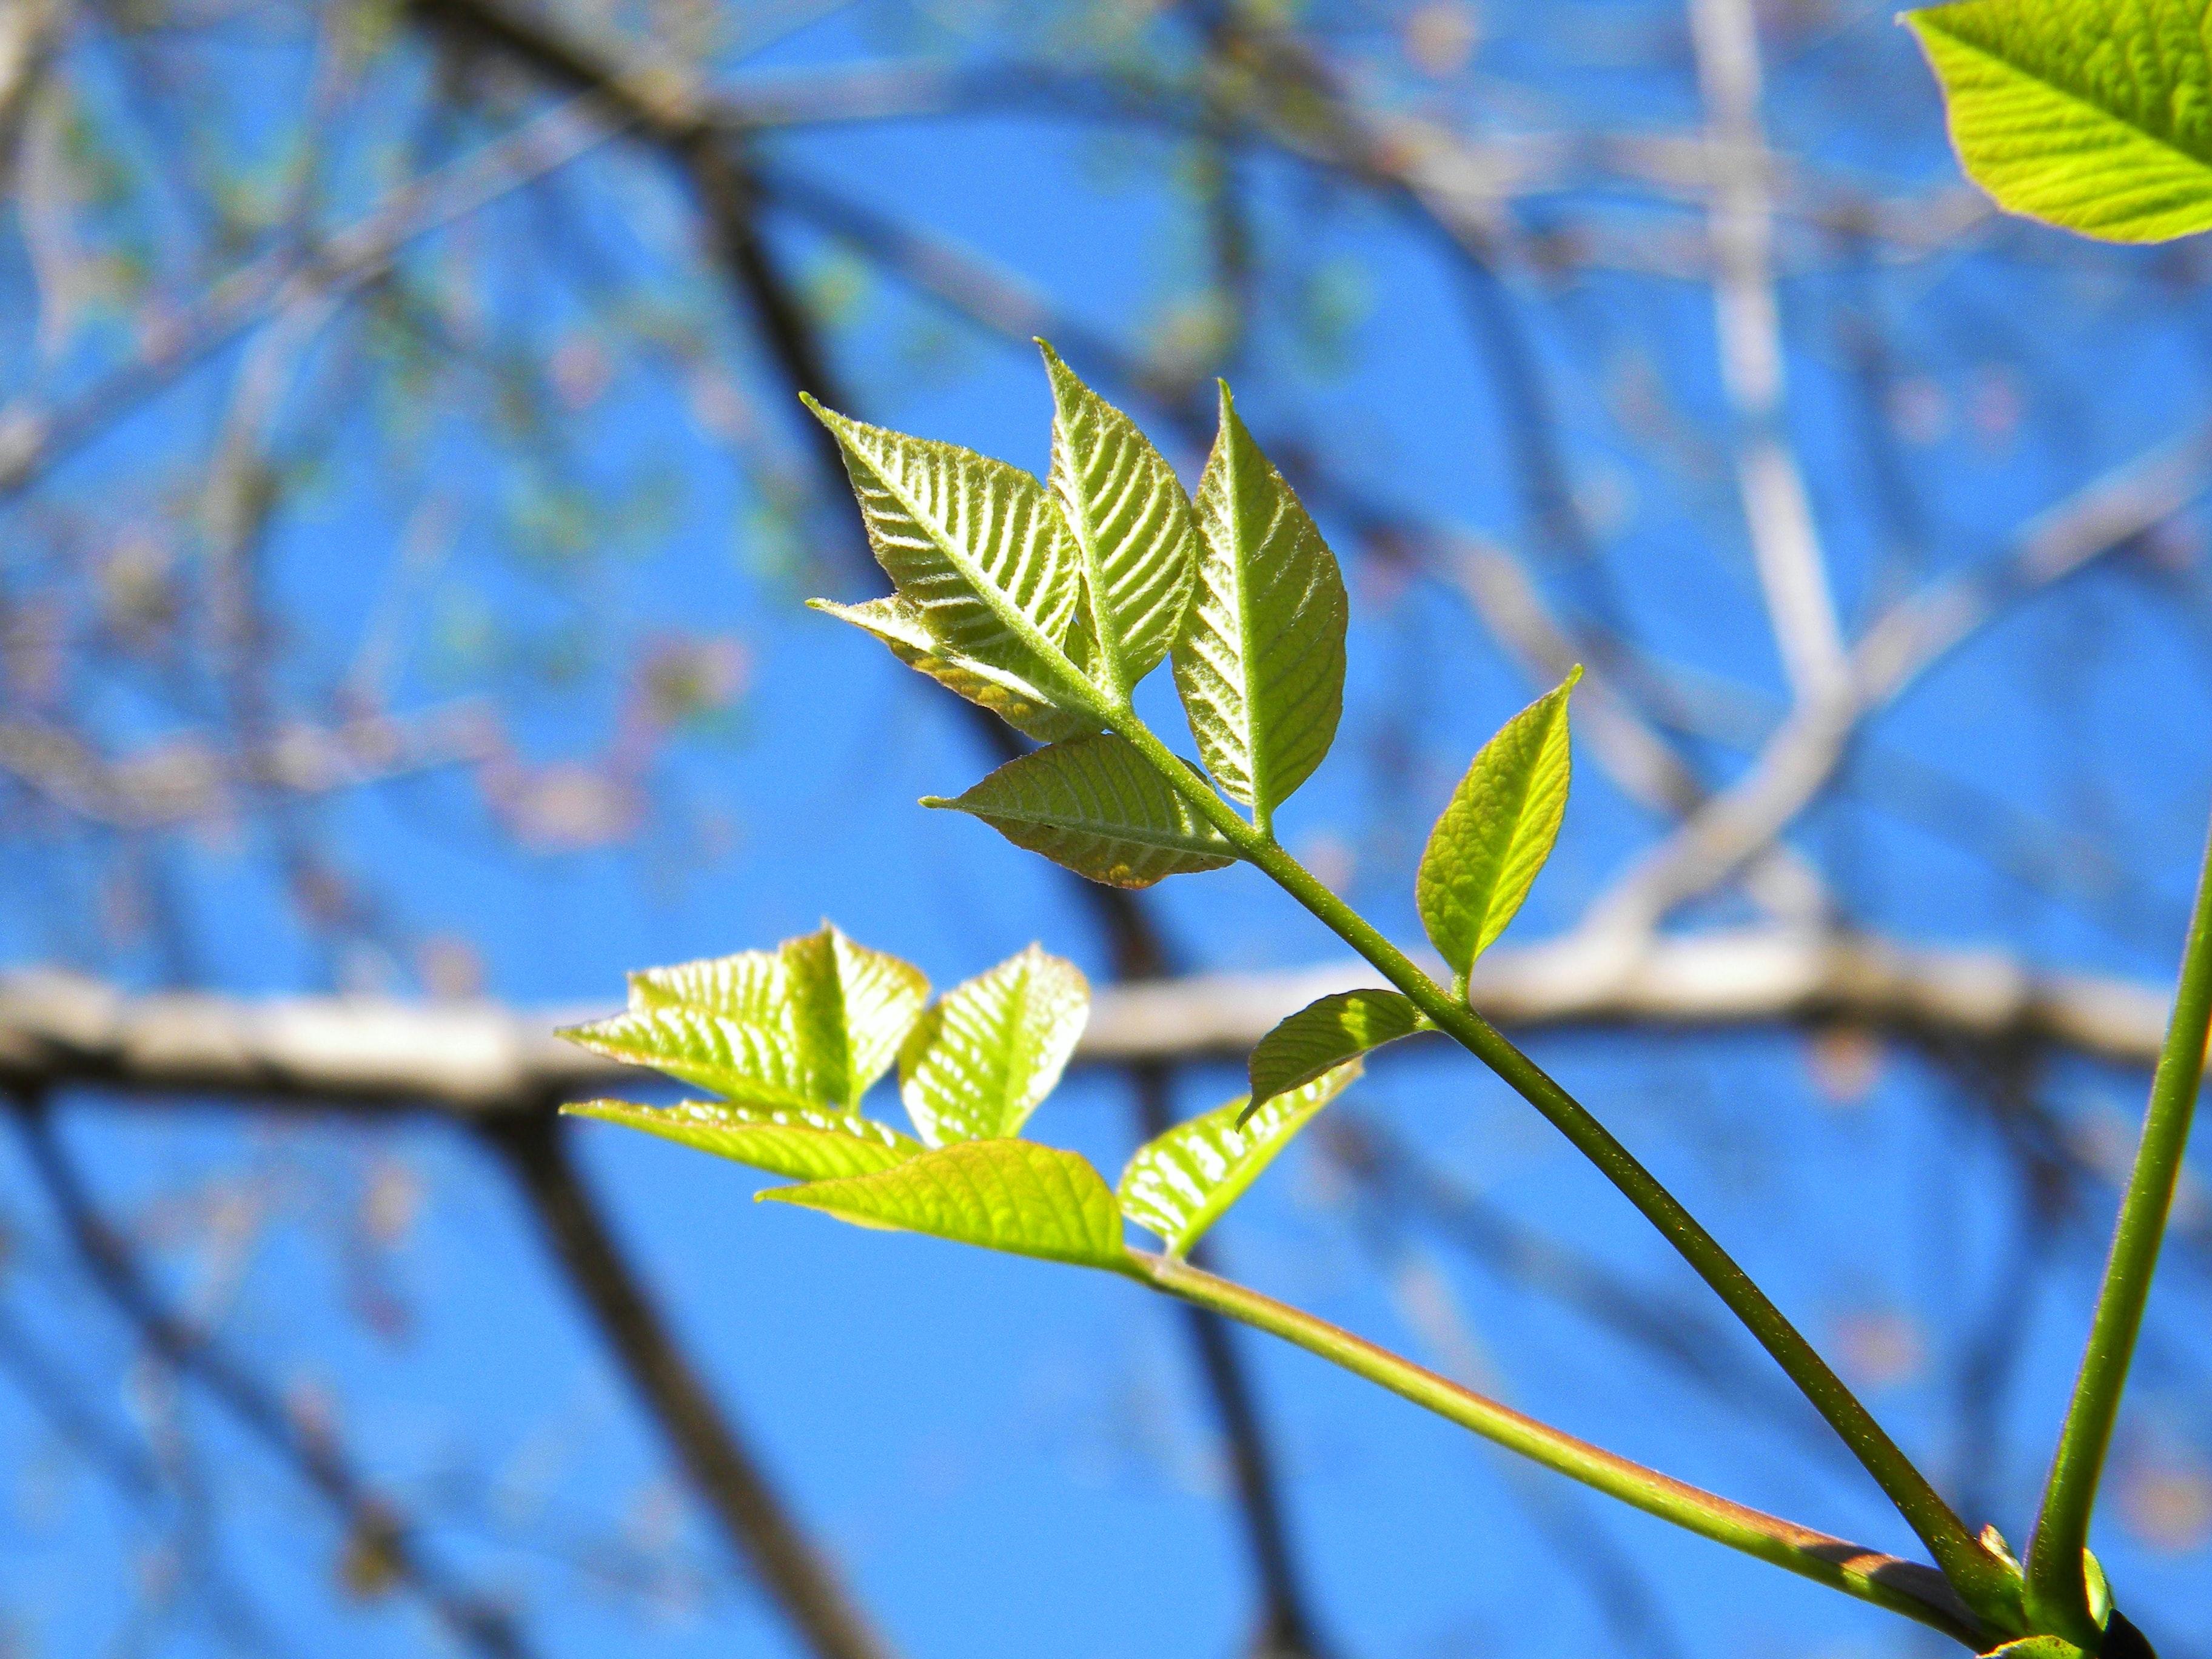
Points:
(2092, 114)
(1132, 524)
(987, 1052)
(804, 1142)
(851, 1008)
(1497, 831)
(1260, 662)
(2036, 1647)
(748, 986)
(1324, 1035)
(1096, 806)
(1184, 1183)
(1012, 1196)
(1014, 699)
(754, 1063)
(975, 546)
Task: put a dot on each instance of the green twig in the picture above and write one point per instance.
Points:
(1988, 1585)
(2057, 1590)
(1904, 1587)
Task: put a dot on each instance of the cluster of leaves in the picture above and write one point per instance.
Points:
(790, 1041)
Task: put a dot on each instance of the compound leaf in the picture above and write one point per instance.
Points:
(1181, 1183)
(1096, 806)
(977, 1063)
(975, 546)
(1020, 702)
(2096, 115)
(1132, 524)
(1260, 662)
(804, 1142)
(1496, 831)
(1012, 1196)
(1324, 1035)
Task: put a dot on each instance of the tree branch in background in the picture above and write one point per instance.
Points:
(370, 1521)
(725, 1475)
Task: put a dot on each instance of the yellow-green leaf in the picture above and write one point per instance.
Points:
(1132, 524)
(850, 1007)
(2096, 115)
(976, 546)
(804, 1142)
(1019, 703)
(1324, 1035)
(1496, 831)
(983, 1056)
(1259, 663)
(1012, 1196)
(1181, 1183)
(1096, 806)
(756, 1064)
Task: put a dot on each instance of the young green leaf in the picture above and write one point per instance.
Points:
(2089, 114)
(1324, 1035)
(1012, 1196)
(1497, 831)
(976, 546)
(1096, 806)
(748, 986)
(981, 1058)
(1260, 662)
(851, 1008)
(756, 1064)
(1133, 526)
(1020, 702)
(1184, 1183)
(804, 1142)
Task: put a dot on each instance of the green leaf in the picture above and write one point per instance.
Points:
(1260, 660)
(2037, 1647)
(752, 1063)
(2096, 115)
(982, 1057)
(1326, 1034)
(851, 1008)
(1497, 831)
(1096, 806)
(1132, 527)
(976, 546)
(813, 1023)
(1012, 1196)
(804, 1142)
(1019, 703)
(1181, 1183)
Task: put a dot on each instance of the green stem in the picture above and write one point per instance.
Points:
(1905, 1587)
(1987, 1584)
(2057, 1592)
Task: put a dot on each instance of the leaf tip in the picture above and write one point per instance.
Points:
(938, 801)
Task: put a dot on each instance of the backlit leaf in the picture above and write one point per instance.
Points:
(2092, 114)
(1181, 1183)
(1018, 701)
(1096, 806)
(1012, 1196)
(1324, 1035)
(1260, 662)
(1132, 524)
(748, 986)
(1497, 831)
(851, 1008)
(986, 1053)
(804, 1142)
(975, 546)
(754, 1063)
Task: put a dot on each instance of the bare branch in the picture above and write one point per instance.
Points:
(478, 1061)
(315, 1455)
(1784, 541)
(726, 1475)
